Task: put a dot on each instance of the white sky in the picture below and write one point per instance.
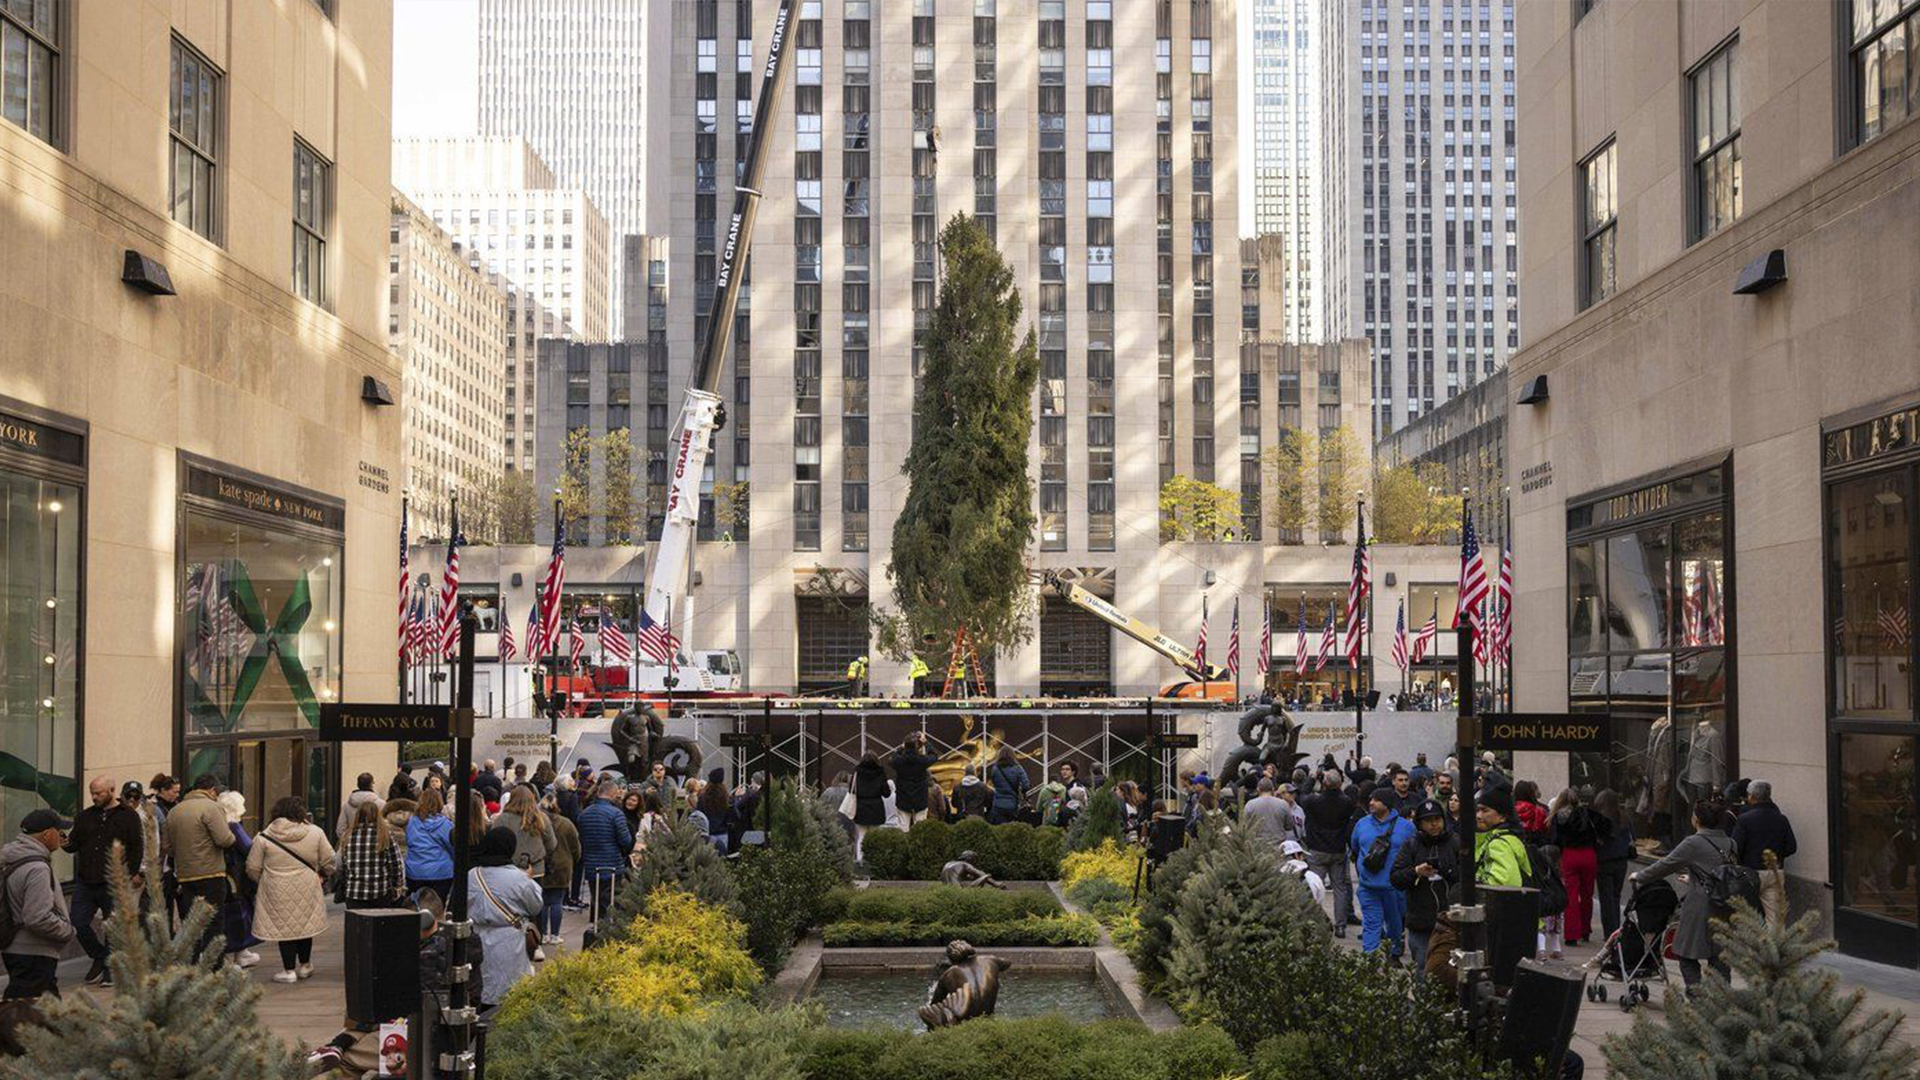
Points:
(436, 67)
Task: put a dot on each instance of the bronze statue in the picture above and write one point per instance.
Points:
(963, 873)
(640, 739)
(968, 987)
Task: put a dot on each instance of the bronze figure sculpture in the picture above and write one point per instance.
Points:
(963, 873)
(967, 988)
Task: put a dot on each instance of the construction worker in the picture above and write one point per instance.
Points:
(857, 676)
(917, 674)
(957, 672)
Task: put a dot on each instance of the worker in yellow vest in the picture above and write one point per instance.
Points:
(918, 673)
(957, 673)
(857, 676)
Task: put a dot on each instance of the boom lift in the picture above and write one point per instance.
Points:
(702, 412)
(1204, 680)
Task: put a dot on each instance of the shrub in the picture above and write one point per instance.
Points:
(1056, 930)
(942, 903)
(1155, 940)
(1110, 860)
(782, 892)
(970, 834)
(801, 821)
(682, 858)
(1102, 819)
(930, 845)
(1011, 852)
(1050, 1046)
(598, 1040)
(1094, 892)
(886, 853)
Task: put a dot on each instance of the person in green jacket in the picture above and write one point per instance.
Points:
(1499, 855)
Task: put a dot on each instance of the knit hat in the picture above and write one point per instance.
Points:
(1498, 799)
(1383, 794)
(1429, 808)
(496, 847)
(717, 776)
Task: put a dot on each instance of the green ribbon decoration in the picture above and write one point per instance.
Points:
(280, 639)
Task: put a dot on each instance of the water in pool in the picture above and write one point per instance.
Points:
(865, 999)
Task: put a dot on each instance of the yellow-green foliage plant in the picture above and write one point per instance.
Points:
(1115, 862)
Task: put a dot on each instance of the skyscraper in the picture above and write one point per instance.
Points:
(1287, 151)
(583, 81)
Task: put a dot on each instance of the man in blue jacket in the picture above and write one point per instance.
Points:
(605, 841)
(1376, 841)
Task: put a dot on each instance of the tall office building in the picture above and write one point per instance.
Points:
(1287, 151)
(548, 247)
(447, 324)
(1418, 205)
(584, 82)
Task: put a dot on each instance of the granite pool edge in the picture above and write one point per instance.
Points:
(1119, 978)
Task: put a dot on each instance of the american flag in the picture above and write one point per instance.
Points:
(613, 642)
(1200, 651)
(656, 640)
(1266, 635)
(1430, 633)
(1358, 586)
(551, 587)
(1300, 644)
(406, 632)
(1233, 644)
(1701, 616)
(450, 589)
(1326, 641)
(536, 645)
(1473, 579)
(1894, 621)
(1400, 637)
(576, 641)
(1503, 647)
(419, 626)
(506, 637)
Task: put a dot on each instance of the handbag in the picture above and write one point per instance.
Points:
(515, 921)
(1375, 860)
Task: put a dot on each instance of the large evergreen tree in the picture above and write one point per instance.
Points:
(960, 543)
(1787, 1021)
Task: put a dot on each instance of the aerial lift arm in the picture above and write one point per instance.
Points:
(1186, 659)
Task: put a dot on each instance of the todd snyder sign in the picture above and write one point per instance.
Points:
(393, 723)
(1546, 731)
(1883, 436)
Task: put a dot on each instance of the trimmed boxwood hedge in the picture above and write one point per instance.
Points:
(883, 917)
(1052, 930)
(1011, 852)
(1051, 1046)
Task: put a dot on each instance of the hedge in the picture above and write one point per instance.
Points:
(1011, 852)
(942, 903)
(1051, 1046)
(1055, 930)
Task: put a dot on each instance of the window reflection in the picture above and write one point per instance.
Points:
(1868, 526)
(1877, 822)
(1637, 596)
(1586, 629)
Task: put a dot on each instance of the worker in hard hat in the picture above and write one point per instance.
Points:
(918, 673)
(857, 676)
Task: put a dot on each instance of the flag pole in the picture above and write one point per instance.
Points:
(404, 651)
(1236, 646)
(1506, 548)
(1366, 631)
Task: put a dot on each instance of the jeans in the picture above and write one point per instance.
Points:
(31, 976)
(1417, 944)
(297, 951)
(1613, 879)
(579, 879)
(1690, 970)
(1332, 868)
(213, 891)
(89, 898)
(1379, 910)
(551, 911)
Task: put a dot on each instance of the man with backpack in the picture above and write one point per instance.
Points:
(34, 926)
(1502, 857)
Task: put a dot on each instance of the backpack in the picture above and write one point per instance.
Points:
(1543, 874)
(8, 927)
(1730, 882)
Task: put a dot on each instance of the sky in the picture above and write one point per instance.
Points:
(436, 76)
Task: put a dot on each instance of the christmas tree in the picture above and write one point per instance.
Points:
(1786, 1021)
(171, 1017)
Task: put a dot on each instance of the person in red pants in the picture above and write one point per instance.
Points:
(1579, 831)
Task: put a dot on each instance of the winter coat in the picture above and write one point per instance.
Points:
(1329, 812)
(94, 831)
(565, 856)
(1398, 831)
(568, 804)
(1532, 820)
(910, 779)
(605, 838)
(1704, 850)
(1581, 827)
(399, 812)
(489, 785)
(373, 870)
(501, 932)
(41, 924)
(869, 794)
(430, 848)
(196, 833)
(291, 860)
(970, 799)
(1760, 829)
(1009, 786)
(537, 847)
(1500, 857)
(1618, 845)
(344, 824)
(1427, 897)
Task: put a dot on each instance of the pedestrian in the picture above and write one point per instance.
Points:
(1615, 851)
(236, 914)
(605, 841)
(1132, 806)
(362, 793)
(910, 764)
(402, 786)
(292, 861)
(430, 846)
(488, 782)
(1294, 864)
(1427, 869)
(662, 783)
(1376, 841)
(937, 805)
(1761, 828)
(971, 798)
(95, 830)
(653, 819)
(1009, 781)
(1329, 814)
(717, 809)
(397, 812)
(1578, 831)
(1363, 774)
(152, 858)
(543, 777)
(560, 874)
(1530, 813)
(870, 789)
(533, 835)
(631, 808)
(1404, 797)
(41, 925)
(370, 863)
(503, 903)
(1708, 848)
(1266, 815)
(1421, 774)
(197, 835)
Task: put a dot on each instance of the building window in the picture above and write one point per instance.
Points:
(311, 183)
(1886, 88)
(29, 65)
(1600, 215)
(193, 111)
(1716, 141)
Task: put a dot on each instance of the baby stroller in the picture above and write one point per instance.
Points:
(1635, 953)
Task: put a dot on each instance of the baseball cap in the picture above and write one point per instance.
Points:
(1429, 808)
(132, 790)
(1292, 847)
(43, 819)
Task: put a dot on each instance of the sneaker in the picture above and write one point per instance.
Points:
(306, 971)
(325, 1058)
(285, 977)
(246, 958)
(97, 974)
(554, 939)
(539, 955)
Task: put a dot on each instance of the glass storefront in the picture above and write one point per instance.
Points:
(260, 595)
(42, 528)
(1872, 725)
(1649, 641)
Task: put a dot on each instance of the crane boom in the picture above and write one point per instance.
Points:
(1186, 659)
(701, 412)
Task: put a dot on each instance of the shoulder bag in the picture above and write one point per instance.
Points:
(515, 921)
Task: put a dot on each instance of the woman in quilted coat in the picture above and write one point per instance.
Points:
(291, 860)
